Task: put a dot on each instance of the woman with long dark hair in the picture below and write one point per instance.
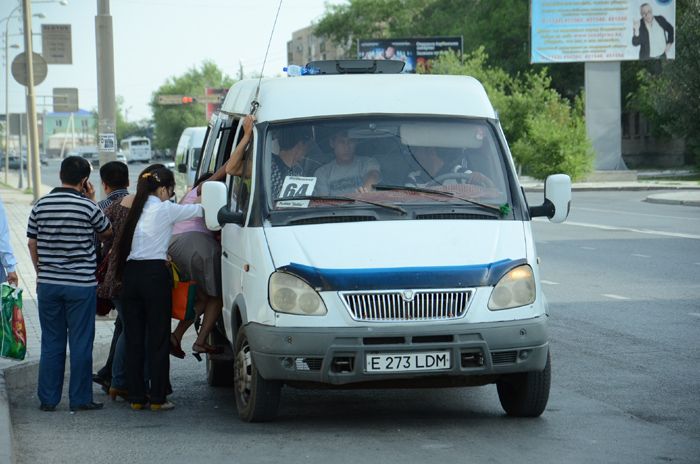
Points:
(147, 285)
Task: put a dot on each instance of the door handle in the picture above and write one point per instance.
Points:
(225, 254)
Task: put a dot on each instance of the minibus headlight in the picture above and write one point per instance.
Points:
(289, 294)
(516, 288)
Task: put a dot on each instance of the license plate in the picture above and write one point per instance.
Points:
(407, 362)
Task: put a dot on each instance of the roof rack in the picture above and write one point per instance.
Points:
(356, 66)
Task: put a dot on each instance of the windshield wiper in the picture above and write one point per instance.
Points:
(442, 193)
(342, 198)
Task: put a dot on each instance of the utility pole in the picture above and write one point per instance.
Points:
(106, 106)
(33, 149)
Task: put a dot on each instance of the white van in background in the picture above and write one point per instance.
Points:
(136, 149)
(187, 156)
(428, 277)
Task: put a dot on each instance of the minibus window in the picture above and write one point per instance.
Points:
(413, 161)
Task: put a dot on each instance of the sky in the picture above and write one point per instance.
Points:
(155, 40)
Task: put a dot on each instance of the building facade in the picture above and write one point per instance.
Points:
(67, 131)
(305, 47)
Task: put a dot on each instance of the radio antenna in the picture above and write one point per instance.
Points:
(254, 104)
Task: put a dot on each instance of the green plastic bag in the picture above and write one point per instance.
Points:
(13, 333)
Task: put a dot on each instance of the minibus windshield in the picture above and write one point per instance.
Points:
(383, 161)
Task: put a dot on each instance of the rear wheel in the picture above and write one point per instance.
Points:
(257, 399)
(526, 394)
(219, 371)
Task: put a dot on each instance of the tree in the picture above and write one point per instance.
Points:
(500, 27)
(171, 120)
(546, 132)
(669, 96)
(128, 128)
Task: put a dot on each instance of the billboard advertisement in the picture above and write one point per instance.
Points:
(565, 31)
(413, 52)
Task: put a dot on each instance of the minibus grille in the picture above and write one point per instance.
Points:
(406, 305)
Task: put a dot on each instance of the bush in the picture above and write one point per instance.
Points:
(555, 142)
(545, 131)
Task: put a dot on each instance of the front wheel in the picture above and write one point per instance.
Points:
(526, 394)
(257, 399)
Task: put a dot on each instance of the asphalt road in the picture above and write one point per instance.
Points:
(50, 173)
(621, 278)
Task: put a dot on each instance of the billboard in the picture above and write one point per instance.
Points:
(565, 31)
(413, 52)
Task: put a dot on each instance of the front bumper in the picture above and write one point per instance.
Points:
(337, 355)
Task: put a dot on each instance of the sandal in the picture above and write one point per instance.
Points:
(198, 349)
(175, 348)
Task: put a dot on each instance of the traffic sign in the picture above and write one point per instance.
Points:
(56, 44)
(65, 100)
(185, 99)
(19, 68)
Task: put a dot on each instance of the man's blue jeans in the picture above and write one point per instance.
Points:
(66, 312)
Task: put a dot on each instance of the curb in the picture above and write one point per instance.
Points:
(630, 188)
(20, 376)
(668, 201)
(6, 432)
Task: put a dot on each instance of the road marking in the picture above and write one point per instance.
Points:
(615, 297)
(640, 256)
(636, 214)
(629, 229)
(587, 248)
(549, 282)
(694, 314)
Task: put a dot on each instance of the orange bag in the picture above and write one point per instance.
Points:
(184, 296)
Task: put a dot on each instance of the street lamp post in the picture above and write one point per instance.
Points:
(7, 91)
(28, 32)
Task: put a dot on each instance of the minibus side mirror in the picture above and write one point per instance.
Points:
(216, 213)
(181, 168)
(557, 199)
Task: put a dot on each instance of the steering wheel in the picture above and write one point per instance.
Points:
(460, 177)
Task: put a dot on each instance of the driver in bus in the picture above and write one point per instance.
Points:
(434, 169)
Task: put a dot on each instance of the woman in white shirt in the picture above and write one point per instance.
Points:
(147, 285)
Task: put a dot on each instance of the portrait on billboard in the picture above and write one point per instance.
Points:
(652, 33)
(400, 50)
(412, 51)
(565, 31)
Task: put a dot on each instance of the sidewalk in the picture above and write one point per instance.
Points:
(16, 374)
(676, 192)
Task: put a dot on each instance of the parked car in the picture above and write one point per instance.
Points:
(13, 162)
(92, 156)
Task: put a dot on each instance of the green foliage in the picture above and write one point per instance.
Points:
(171, 120)
(555, 141)
(669, 93)
(364, 19)
(128, 128)
(546, 132)
(500, 27)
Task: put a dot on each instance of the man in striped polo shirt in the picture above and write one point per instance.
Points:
(60, 231)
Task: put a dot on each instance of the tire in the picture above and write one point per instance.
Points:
(526, 394)
(219, 373)
(257, 399)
